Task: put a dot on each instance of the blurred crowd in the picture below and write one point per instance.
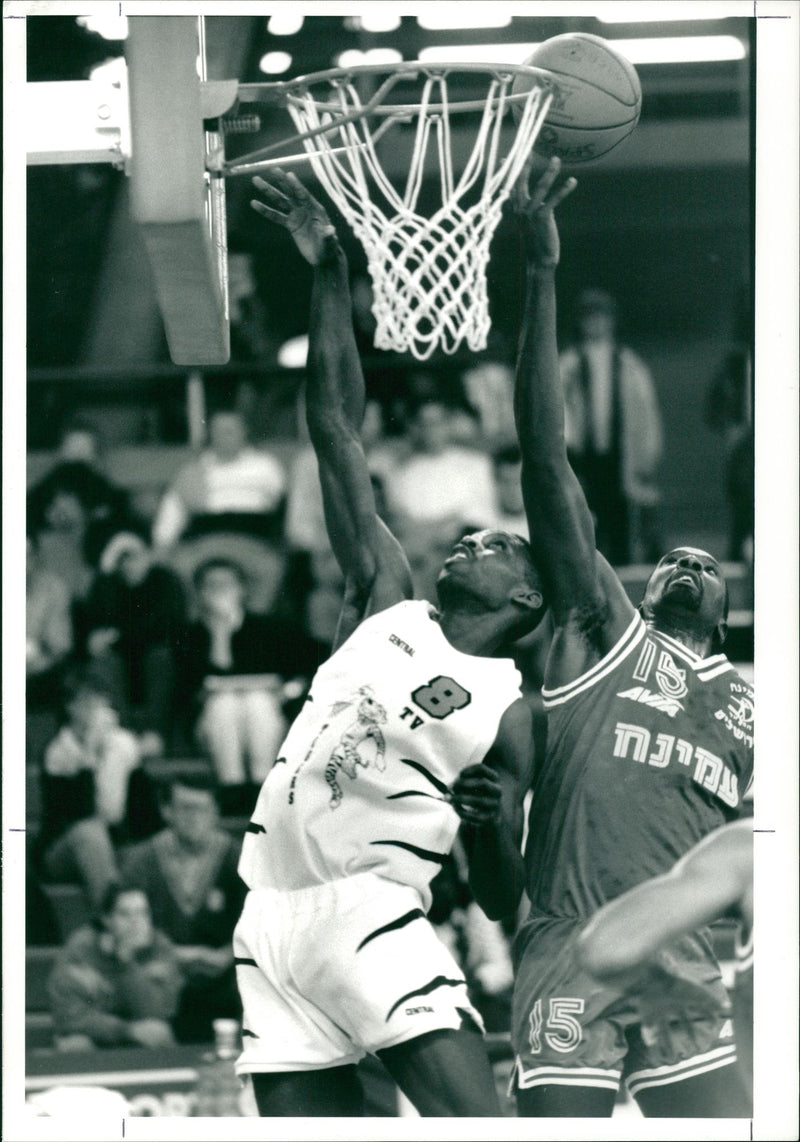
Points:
(168, 650)
(166, 656)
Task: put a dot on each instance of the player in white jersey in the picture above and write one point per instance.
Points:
(621, 943)
(335, 956)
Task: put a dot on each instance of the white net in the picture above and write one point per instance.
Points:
(428, 270)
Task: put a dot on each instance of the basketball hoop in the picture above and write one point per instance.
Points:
(428, 270)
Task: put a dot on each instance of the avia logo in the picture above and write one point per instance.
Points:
(662, 702)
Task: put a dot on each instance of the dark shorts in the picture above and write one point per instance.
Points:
(569, 1031)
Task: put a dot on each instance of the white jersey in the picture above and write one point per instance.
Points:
(361, 780)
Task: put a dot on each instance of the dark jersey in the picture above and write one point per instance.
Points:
(742, 1001)
(647, 752)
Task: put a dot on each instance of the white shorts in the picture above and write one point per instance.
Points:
(329, 973)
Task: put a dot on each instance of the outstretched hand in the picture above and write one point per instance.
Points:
(536, 208)
(290, 205)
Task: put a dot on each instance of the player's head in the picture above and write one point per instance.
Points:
(687, 585)
(494, 571)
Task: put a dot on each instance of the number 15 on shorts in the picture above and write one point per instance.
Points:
(560, 1029)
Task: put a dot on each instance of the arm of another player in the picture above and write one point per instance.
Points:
(561, 528)
(714, 877)
(488, 798)
(371, 559)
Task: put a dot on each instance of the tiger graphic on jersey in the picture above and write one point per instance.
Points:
(351, 750)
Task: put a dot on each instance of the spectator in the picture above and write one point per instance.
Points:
(729, 412)
(230, 485)
(509, 508)
(48, 634)
(439, 483)
(305, 519)
(79, 470)
(234, 667)
(613, 431)
(94, 793)
(60, 520)
(188, 873)
(117, 983)
(48, 627)
(489, 388)
(133, 615)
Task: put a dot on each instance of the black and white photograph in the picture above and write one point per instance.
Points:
(400, 466)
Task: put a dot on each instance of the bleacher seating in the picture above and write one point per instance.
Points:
(70, 906)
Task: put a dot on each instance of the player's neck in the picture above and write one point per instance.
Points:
(682, 631)
(472, 633)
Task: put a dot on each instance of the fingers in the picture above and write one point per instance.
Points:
(476, 795)
(558, 195)
(546, 194)
(268, 212)
(521, 188)
(545, 182)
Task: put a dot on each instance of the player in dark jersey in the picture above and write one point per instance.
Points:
(649, 748)
(489, 595)
(620, 946)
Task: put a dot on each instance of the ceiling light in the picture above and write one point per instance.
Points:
(109, 27)
(477, 53)
(274, 63)
(631, 12)
(379, 18)
(682, 49)
(285, 23)
(444, 17)
(663, 49)
(354, 58)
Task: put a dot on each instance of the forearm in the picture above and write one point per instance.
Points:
(335, 385)
(496, 868)
(538, 401)
(626, 934)
(561, 528)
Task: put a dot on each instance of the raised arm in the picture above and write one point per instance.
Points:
(561, 527)
(375, 568)
(710, 880)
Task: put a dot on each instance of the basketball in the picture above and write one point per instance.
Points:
(597, 97)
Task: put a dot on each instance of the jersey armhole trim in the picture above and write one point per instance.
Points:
(629, 640)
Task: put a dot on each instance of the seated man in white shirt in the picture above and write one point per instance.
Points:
(440, 482)
(239, 485)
